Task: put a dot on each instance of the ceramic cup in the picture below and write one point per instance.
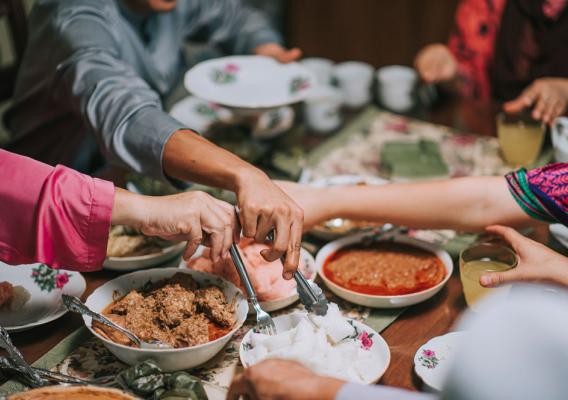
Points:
(396, 84)
(322, 68)
(559, 132)
(354, 79)
(322, 109)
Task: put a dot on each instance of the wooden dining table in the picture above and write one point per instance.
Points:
(414, 327)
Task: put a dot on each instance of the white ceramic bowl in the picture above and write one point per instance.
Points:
(149, 260)
(383, 301)
(167, 359)
(309, 272)
(380, 349)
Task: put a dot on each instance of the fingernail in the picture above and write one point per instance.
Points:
(288, 275)
(485, 280)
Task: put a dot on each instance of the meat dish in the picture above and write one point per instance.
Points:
(175, 311)
(12, 298)
(124, 241)
(384, 269)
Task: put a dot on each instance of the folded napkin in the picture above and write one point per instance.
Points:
(419, 160)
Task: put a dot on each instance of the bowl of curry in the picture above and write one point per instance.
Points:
(194, 312)
(396, 271)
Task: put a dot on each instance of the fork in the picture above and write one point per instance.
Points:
(264, 323)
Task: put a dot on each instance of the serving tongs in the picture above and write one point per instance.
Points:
(311, 295)
(33, 378)
(264, 323)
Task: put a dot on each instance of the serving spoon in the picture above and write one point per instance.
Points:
(74, 304)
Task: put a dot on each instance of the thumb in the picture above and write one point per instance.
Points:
(289, 55)
(494, 279)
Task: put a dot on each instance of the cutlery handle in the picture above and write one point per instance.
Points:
(243, 274)
(6, 344)
(75, 305)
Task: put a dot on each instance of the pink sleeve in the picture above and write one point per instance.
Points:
(55, 216)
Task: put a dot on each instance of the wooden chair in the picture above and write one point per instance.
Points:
(13, 11)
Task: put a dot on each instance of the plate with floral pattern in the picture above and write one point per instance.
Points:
(45, 287)
(249, 82)
(199, 114)
(433, 360)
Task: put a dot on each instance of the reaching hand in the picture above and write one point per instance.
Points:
(265, 207)
(435, 63)
(282, 380)
(547, 96)
(278, 52)
(312, 200)
(192, 216)
(536, 261)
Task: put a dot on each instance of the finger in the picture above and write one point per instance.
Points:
(249, 220)
(194, 239)
(238, 389)
(541, 105)
(494, 279)
(289, 55)
(265, 225)
(214, 226)
(280, 244)
(511, 236)
(294, 249)
(555, 110)
(235, 224)
(227, 216)
(526, 99)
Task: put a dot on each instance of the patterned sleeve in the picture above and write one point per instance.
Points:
(543, 192)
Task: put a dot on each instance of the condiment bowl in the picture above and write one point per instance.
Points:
(167, 359)
(382, 301)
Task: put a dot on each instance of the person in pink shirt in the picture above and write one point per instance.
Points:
(60, 217)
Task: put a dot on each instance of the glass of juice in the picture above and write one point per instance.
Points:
(479, 259)
(520, 138)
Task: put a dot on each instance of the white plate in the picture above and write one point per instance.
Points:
(433, 360)
(44, 305)
(342, 226)
(199, 114)
(249, 82)
(383, 301)
(167, 359)
(149, 260)
(309, 272)
(380, 349)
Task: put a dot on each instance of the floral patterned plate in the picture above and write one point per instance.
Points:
(249, 82)
(199, 114)
(45, 286)
(433, 360)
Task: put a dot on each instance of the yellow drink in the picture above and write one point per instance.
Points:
(470, 273)
(520, 140)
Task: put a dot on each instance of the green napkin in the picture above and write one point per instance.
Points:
(421, 159)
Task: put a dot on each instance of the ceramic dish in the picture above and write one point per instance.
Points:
(249, 82)
(167, 359)
(380, 356)
(171, 254)
(72, 392)
(309, 272)
(383, 301)
(433, 360)
(339, 227)
(199, 114)
(45, 287)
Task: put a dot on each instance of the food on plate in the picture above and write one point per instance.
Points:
(175, 311)
(124, 241)
(72, 392)
(266, 277)
(342, 226)
(12, 298)
(329, 345)
(384, 269)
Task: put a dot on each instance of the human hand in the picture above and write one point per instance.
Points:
(265, 207)
(547, 96)
(435, 63)
(282, 380)
(536, 261)
(314, 202)
(180, 217)
(278, 52)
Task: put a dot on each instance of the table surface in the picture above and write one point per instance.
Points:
(415, 327)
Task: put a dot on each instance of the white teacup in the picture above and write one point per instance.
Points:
(559, 132)
(322, 109)
(396, 84)
(322, 68)
(354, 79)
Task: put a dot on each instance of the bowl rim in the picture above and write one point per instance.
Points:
(240, 322)
(398, 238)
(384, 342)
(166, 250)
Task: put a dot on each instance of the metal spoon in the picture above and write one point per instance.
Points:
(6, 343)
(74, 304)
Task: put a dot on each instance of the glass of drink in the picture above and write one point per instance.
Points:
(480, 259)
(520, 138)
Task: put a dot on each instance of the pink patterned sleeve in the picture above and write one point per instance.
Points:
(55, 216)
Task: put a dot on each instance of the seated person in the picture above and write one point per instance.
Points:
(508, 50)
(96, 72)
(522, 199)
